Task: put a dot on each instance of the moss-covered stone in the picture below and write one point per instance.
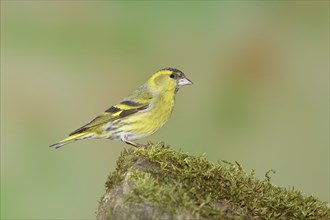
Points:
(158, 182)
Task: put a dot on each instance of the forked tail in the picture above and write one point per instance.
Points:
(72, 138)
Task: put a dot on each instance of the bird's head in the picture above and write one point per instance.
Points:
(168, 80)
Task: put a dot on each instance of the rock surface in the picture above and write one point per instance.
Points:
(158, 182)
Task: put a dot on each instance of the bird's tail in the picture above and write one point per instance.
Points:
(72, 138)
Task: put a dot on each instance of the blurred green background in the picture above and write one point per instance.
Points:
(260, 96)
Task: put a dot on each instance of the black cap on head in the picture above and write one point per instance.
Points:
(174, 70)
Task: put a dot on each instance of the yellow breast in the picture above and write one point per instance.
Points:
(150, 120)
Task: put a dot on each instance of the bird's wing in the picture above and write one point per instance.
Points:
(123, 109)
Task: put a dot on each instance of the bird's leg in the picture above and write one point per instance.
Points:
(137, 145)
(133, 144)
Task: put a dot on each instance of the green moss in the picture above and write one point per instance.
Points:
(177, 184)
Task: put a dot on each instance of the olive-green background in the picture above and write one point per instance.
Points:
(260, 94)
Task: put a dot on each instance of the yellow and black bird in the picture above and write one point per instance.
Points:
(139, 115)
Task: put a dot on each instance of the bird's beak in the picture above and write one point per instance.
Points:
(184, 81)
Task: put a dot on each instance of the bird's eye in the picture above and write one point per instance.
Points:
(172, 76)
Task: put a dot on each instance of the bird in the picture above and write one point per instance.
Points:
(137, 116)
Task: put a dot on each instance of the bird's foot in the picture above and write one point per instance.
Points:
(137, 145)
